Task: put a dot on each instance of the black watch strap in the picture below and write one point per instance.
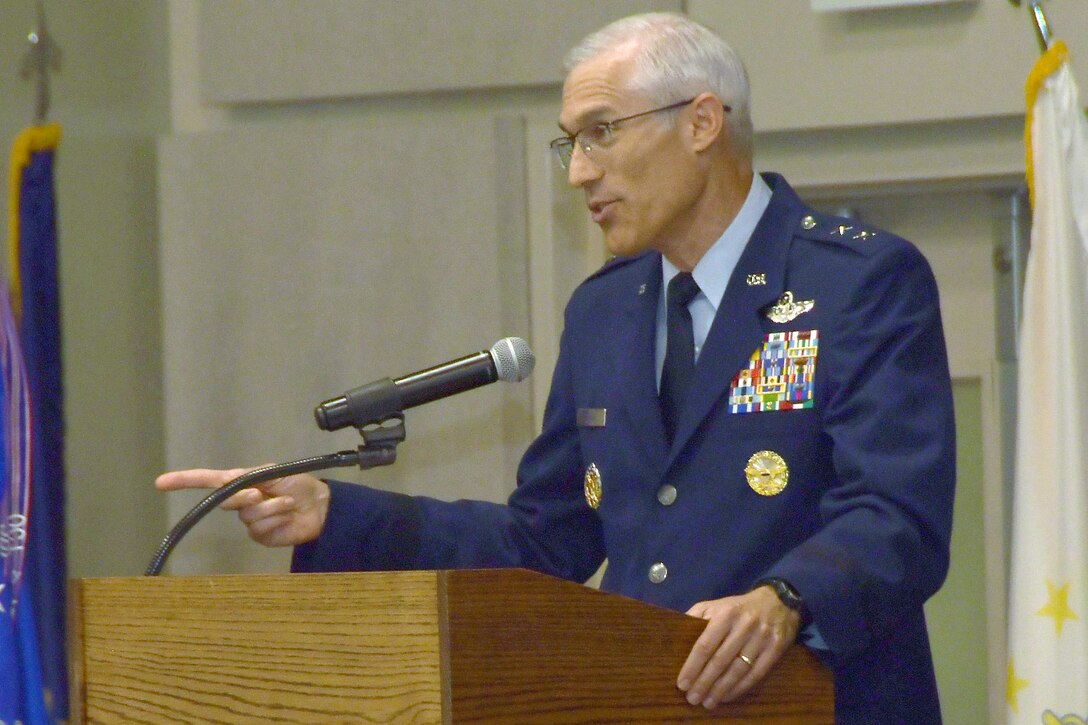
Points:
(788, 596)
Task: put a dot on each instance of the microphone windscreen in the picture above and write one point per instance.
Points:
(513, 359)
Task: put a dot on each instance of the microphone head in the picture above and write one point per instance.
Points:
(513, 359)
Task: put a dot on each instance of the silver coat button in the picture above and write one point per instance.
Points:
(808, 222)
(658, 572)
(666, 495)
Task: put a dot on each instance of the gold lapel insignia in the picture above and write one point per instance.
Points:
(593, 486)
(759, 278)
(767, 473)
(786, 310)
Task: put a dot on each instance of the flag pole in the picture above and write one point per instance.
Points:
(1042, 27)
(44, 54)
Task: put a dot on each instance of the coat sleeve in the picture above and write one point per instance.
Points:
(882, 547)
(544, 526)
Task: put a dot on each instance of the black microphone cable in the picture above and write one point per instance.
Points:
(257, 476)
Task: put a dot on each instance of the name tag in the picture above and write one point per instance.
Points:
(592, 417)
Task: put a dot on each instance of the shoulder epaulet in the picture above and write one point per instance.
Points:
(841, 231)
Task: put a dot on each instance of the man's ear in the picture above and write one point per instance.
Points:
(707, 120)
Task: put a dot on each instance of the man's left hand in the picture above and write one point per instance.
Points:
(744, 638)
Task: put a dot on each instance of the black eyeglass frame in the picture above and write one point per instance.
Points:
(563, 147)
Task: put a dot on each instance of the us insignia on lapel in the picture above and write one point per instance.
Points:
(593, 486)
(780, 374)
(786, 310)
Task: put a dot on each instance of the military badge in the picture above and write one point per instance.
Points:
(767, 473)
(593, 486)
(780, 374)
(786, 310)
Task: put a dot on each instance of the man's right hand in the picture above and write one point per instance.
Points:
(283, 512)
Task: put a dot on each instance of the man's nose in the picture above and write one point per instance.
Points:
(581, 170)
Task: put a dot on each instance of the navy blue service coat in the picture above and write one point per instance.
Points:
(861, 528)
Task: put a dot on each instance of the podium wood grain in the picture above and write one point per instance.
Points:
(525, 648)
(490, 646)
(260, 649)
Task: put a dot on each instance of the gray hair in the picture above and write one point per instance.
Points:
(677, 58)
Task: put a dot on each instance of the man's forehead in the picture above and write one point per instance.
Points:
(575, 116)
(595, 89)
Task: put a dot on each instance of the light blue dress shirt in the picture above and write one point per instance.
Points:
(712, 272)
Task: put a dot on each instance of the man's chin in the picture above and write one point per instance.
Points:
(620, 247)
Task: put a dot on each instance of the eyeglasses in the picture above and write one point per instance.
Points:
(599, 135)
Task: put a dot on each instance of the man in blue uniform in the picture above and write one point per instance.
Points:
(750, 417)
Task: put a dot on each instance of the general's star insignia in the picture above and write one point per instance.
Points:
(786, 310)
(841, 230)
(863, 235)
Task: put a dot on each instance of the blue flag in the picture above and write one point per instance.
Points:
(36, 309)
(22, 698)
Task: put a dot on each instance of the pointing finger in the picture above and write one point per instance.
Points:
(196, 478)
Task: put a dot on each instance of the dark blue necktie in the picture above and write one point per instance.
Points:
(679, 349)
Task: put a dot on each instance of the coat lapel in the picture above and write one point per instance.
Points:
(635, 342)
(737, 329)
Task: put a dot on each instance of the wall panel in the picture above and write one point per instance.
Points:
(276, 50)
(888, 66)
(305, 259)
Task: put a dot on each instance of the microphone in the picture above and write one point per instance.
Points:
(509, 360)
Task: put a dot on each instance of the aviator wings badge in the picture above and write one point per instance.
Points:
(786, 310)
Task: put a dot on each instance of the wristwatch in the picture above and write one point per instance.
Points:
(788, 596)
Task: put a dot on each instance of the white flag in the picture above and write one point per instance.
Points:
(1048, 593)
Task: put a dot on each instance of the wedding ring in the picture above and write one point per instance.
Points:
(745, 659)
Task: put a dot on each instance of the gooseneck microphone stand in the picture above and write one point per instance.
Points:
(379, 448)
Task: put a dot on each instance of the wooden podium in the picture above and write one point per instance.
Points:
(487, 646)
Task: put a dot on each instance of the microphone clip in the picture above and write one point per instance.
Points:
(379, 447)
